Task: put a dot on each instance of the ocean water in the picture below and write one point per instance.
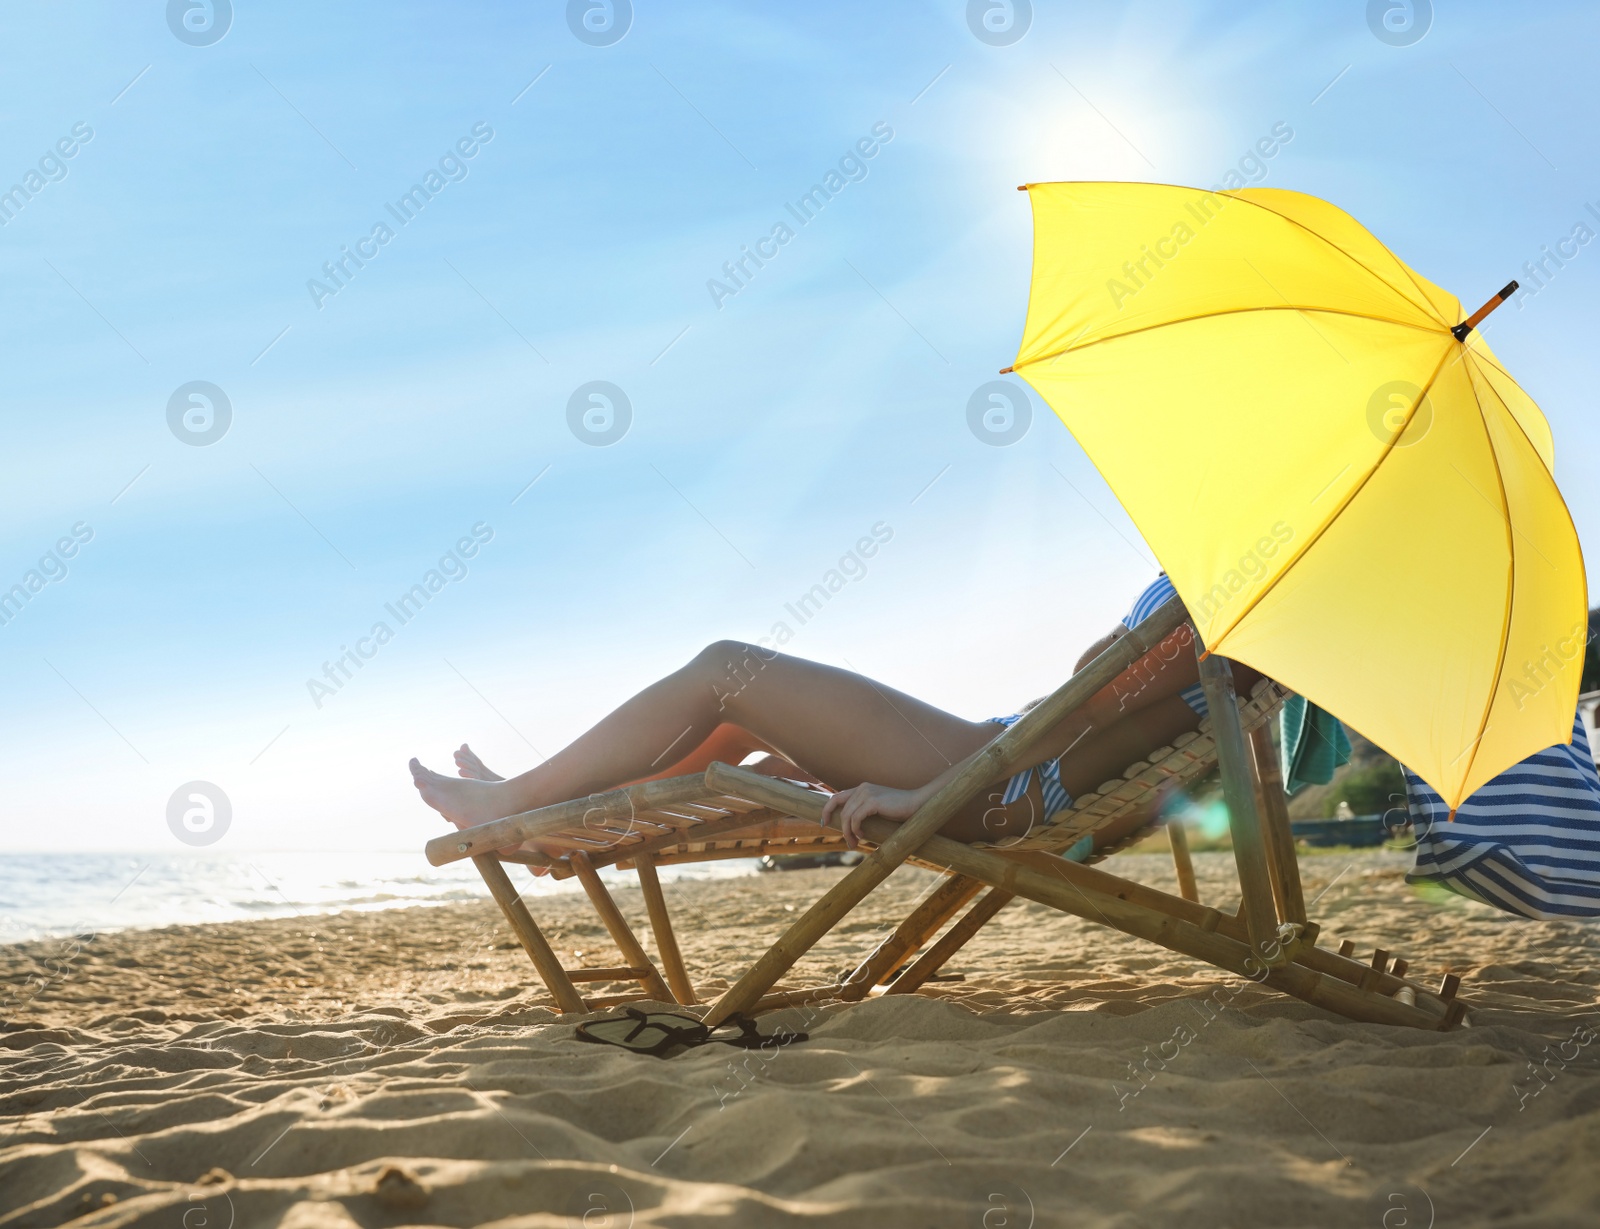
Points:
(44, 894)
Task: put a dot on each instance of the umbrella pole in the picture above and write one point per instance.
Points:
(1244, 820)
(1461, 330)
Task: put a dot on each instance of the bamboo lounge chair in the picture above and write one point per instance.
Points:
(731, 812)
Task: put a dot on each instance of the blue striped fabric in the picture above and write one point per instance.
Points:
(1146, 604)
(1054, 794)
(1527, 842)
(1195, 698)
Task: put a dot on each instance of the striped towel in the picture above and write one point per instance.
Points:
(1527, 842)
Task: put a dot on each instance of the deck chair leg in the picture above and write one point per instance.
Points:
(661, 926)
(1282, 864)
(1239, 788)
(932, 960)
(533, 942)
(621, 933)
(1178, 837)
(939, 907)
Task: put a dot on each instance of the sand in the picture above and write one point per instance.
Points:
(402, 1068)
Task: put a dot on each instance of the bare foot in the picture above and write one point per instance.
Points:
(469, 765)
(463, 802)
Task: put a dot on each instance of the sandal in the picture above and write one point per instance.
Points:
(662, 1034)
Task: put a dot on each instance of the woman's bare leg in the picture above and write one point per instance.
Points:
(728, 743)
(839, 727)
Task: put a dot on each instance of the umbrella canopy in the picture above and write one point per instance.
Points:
(1347, 489)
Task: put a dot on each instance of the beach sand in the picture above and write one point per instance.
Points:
(402, 1068)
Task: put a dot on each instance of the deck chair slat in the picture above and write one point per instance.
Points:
(577, 840)
(529, 825)
(691, 813)
(742, 805)
(668, 821)
(683, 829)
(763, 849)
(681, 840)
(607, 832)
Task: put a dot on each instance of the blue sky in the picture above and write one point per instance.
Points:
(769, 431)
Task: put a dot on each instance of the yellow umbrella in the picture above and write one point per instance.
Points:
(1347, 489)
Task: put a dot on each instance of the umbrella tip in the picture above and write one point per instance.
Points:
(1022, 187)
(1005, 371)
(1460, 331)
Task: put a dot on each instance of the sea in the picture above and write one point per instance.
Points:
(48, 894)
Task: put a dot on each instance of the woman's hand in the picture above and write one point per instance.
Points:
(850, 807)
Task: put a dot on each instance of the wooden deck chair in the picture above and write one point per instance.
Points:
(731, 812)
(688, 819)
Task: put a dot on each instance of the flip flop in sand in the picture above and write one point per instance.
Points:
(663, 1034)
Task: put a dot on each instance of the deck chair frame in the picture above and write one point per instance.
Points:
(732, 812)
(644, 826)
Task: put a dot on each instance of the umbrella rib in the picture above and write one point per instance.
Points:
(1517, 422)
(1562, 499)
(1427, 309)
(1231, 311)
(1388, 449)
(1485, 357)
(1511, 592)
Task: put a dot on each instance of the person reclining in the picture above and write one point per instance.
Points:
(882, 752)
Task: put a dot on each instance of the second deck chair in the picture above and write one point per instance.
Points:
(731, 812)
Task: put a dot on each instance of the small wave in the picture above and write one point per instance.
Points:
(50, 895)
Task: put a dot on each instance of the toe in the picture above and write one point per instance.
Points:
(424, 776)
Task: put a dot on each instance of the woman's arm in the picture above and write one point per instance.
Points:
(851, 807)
